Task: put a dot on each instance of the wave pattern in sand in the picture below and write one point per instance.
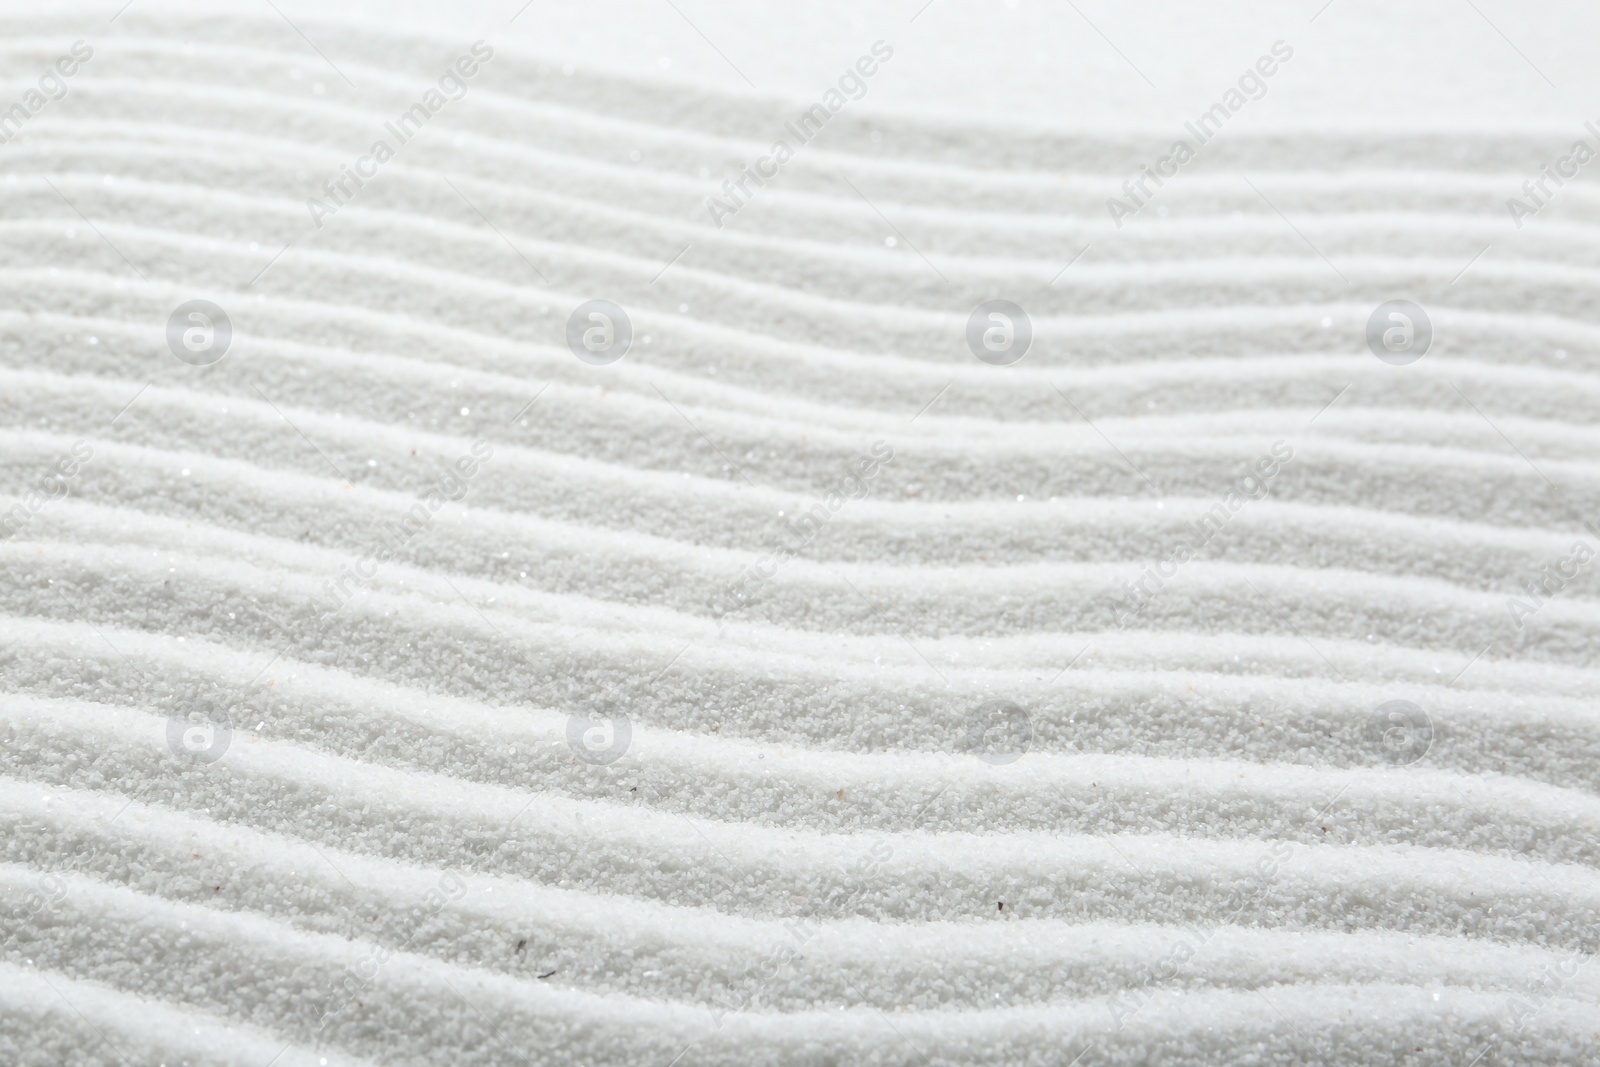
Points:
(414, 683)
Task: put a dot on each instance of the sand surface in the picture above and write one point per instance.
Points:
(399, 665)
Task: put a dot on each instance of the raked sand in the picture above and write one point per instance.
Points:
(402, 688)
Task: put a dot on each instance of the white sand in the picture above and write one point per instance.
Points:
(410, 834)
